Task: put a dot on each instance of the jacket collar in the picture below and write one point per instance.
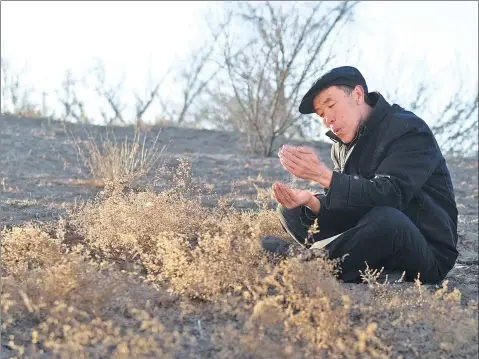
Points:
(379, 111)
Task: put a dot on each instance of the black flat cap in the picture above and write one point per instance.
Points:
(344, 75)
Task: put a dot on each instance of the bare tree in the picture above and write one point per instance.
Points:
(265, 80)
(457, 125)
(195, 74)
(74, 108)
(142, 104)
(111, 93)
(193, 82)
(15, 93)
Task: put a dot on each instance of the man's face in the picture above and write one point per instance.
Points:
(339, 111)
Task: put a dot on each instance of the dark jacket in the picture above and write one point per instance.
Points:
(395, 161)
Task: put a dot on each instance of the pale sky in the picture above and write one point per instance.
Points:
(398, 41)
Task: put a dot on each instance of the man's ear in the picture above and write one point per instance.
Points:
(359, 94)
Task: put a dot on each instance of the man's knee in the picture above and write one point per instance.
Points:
(289, 215)
(291, 221)
(388, 217)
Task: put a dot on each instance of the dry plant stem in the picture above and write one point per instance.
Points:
(113, 161)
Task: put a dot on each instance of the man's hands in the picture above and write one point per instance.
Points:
(304, 163)
(291, 198)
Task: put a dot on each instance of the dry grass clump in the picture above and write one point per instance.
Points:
(110, 160)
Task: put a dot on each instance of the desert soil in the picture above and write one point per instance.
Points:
(40, 178)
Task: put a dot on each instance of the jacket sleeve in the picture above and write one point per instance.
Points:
(307, 216)
(408, 163)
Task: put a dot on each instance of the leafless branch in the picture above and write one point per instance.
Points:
(195, 75)
(110, 94)
(457, 127)
(266, 78)
(15, 93)
(73, 107)
(142, 105)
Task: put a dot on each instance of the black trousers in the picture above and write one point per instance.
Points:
(384, 237)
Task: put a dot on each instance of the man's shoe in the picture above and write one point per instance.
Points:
(275, 245)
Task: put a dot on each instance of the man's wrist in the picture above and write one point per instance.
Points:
(313, 204)
(325, 178)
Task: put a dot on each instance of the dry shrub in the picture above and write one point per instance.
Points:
(27, 248)
(308, 311)
(224, 260)
(177, 240)
(124, 225)
(434, 322)
(78, 308)
(74, 278)
(300, 311)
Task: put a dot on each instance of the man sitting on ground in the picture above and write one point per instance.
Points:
(389, 201)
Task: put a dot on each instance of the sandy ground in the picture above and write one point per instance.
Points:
(39, 173)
